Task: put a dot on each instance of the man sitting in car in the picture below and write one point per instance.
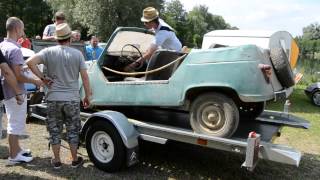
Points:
(165, 37)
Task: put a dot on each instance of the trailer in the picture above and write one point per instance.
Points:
(112, 139)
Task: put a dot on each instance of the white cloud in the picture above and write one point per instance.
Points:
(289, 15)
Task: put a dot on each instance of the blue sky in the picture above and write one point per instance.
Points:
(289, 15)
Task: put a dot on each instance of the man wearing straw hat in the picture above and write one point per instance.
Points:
(165, 37)
(63, 64)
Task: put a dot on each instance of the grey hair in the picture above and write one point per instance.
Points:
(12, 23)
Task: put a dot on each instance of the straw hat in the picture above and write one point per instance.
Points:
(149, 14)
(63, 31)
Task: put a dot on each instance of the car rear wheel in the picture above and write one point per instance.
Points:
(105, 147)
(214, 114)
(316, 98)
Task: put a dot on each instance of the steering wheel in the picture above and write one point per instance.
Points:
(130, 59)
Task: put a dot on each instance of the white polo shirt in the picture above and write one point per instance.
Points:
(165, 39)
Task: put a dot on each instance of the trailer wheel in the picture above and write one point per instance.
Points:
(105, 147)
(316, 98)
(214, 114)
(282, 67)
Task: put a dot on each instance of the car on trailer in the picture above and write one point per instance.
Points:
(218, 85)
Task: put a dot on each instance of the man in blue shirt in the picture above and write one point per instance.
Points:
(93, 51)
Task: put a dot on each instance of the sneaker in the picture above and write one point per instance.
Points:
(26, 152)
(77, 163)
(56, 165)
(20, 158)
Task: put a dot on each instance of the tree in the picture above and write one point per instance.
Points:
(311, 32)
(200, 21)
(102, 17)
(176, 17)
(309, 43)
(34, 13)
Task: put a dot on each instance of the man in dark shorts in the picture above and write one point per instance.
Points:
(63, 64)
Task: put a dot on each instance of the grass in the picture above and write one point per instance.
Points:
(301, 106)
(178, 160)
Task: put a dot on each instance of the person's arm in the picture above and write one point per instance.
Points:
(148, 54)
(32, 63)
(17, 70)
(12, 81)
(145, 57)
(46, 35)
(10, 78)
(87, 89)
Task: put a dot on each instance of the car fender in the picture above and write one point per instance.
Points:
(199, 89)
(128, 133)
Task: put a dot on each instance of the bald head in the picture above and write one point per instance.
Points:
(13, 23)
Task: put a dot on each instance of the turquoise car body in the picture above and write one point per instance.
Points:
(233, 71)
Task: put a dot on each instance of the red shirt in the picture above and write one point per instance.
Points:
(24, 43)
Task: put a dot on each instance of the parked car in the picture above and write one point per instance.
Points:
(218, 85)
(313, 92)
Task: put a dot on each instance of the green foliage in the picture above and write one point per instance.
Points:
(309, 43)
(34, 13)
(200, 21)
(175, 15)
(193, 25)
(102, 17)
(311, 32)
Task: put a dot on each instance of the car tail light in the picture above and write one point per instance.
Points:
(266, 71)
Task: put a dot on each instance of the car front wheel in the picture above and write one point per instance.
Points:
(214, 114)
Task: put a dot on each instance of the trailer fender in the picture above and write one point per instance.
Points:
(128, 133)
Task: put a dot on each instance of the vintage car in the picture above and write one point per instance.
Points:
(313, 92)
(219, 85)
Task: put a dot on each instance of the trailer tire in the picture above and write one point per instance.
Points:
(282, 66)
(105, 147)
(214, 114)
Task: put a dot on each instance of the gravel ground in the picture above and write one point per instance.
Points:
(171, 161)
